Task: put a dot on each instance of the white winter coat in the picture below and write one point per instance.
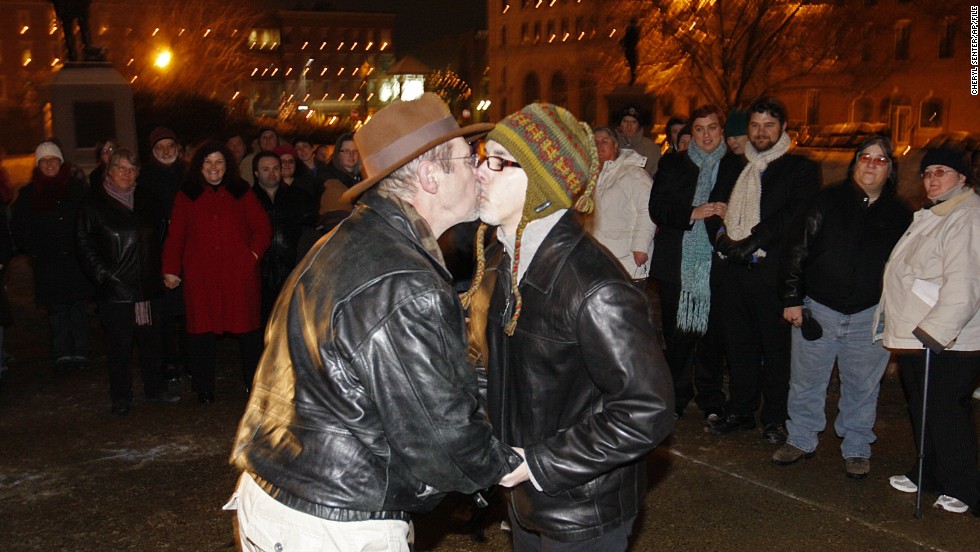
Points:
(621, 221)
(932, 279)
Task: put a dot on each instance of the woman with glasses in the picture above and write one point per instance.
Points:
(830, 283)
(119, 237)
(931, 309)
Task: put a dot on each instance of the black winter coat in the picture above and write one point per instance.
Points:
(120, 250)
(788, 184)
(48, 238)
(836, 252)
(289, 213)
(670, 207)
(582, 385)
(163, 181)
(364, 406)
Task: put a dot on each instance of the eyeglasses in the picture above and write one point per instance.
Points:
(497, 164)
(108, 149)
(938, 173)
(126, 170)
(876, 160)
(474, 159)
(348, 151)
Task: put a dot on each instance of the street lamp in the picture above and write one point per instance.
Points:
(163, 59)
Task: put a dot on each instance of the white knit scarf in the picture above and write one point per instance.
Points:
(744, 203)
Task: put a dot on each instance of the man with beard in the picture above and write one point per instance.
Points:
(289, 209)
(773, 189)
(163, 176)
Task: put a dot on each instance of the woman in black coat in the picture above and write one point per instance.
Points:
(119, 238)
(42, 224)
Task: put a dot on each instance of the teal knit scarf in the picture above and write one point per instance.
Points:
(695, 299)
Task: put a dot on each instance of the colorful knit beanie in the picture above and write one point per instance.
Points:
(559, 155)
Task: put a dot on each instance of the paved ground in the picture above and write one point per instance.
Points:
(75, 478)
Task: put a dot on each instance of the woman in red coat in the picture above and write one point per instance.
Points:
(218, 234)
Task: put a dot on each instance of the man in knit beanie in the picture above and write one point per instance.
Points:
(577, 381)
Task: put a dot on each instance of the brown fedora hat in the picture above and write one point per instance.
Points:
(401, 132)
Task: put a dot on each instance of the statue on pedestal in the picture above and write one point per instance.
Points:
(629, 42)
(69, 13)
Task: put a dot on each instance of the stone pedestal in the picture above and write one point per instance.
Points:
(635, 95)
(90, 101)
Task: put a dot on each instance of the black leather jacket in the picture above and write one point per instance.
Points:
(836, 252)
(582, 385)
(120, 250)
(363, 406)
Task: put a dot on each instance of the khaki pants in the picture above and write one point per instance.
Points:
(266, 525)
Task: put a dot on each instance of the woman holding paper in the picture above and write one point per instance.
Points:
(931, 300)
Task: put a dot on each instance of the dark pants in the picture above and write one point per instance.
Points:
(613, 541)
(950, 456)
(201, 350)
(757, 341)
(172, 316)
(695, 360)
(69, 331)
(121, 333)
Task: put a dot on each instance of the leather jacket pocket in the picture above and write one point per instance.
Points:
(583, 492)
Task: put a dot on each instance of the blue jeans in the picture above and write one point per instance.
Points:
(861, 363)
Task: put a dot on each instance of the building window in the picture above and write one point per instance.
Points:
(532, 88)
(862, 110)
(525, 37)
(3, 88)
(903, 34)
(947, 37)
(812, 107)
(559, 90)
(868, 42)
(503, 35)
(587, 101)
(931, 113)
(23, 21)
(537, 32)
(551, 31)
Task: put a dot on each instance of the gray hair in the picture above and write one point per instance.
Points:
(403, 181)
(127, 154)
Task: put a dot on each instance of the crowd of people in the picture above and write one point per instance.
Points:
(175, 252)
(364, 400)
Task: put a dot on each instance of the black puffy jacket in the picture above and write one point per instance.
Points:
(363, 406)
(836, 252)
(582, 385)
(120, 250)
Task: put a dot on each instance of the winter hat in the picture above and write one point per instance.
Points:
(161, 133)
(559, 155)
(47, 149)
(284, 149)
(953, 159)
(737, 123)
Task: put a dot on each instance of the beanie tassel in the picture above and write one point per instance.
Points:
(481, 264)
(511, 326)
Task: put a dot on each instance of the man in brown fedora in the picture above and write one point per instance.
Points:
(364, 408)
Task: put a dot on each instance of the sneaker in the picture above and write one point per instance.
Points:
(976, 393)
(856, 467)
(774, 434)
(712, 418)
(163, 397)
(950, 504)
(788, 454)
(730, 423)
(902, 483)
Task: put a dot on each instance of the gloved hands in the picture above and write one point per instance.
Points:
(736, 251)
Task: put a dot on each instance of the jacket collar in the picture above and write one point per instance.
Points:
(945, 207)
(554, 252)
(411, 225)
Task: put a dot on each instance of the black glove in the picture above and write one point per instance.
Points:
(736, 251)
